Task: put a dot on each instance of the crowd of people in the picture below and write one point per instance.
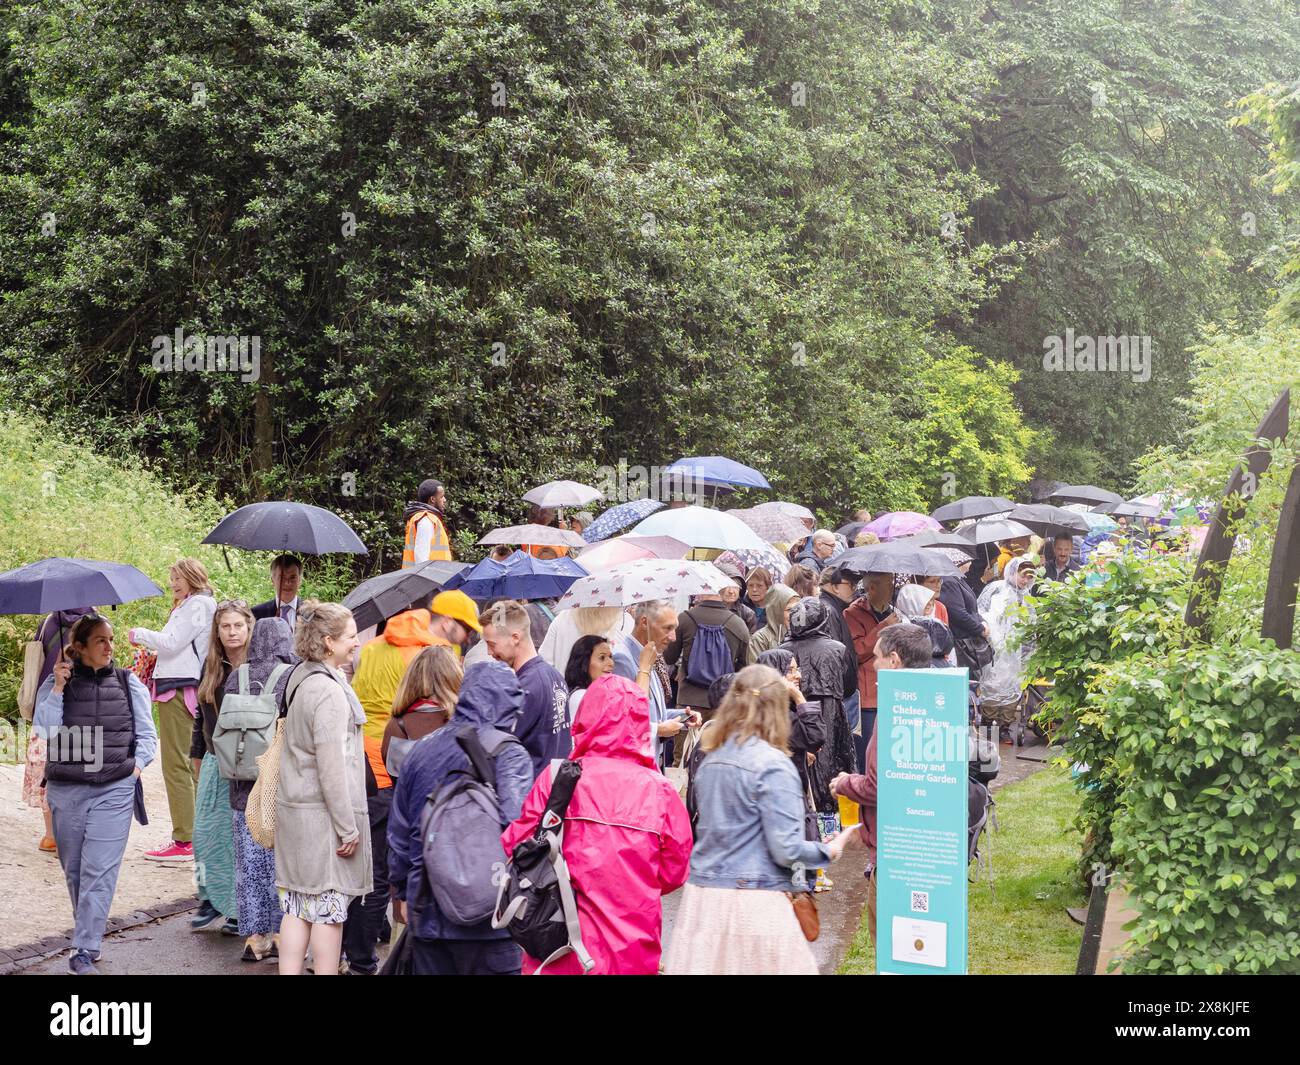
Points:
(765, 694)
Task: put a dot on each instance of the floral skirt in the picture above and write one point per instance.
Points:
(259, 908)
(329, 907)
(33, 771)
(737, 931)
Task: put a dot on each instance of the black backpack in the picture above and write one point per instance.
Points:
(535, 903)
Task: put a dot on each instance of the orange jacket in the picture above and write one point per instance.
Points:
(383, 661)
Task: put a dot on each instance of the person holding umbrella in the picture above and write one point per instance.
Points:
(181, 646)
(97, 723)
(426, 530)
(50, 637)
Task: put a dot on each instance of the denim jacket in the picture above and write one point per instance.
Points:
(750, 832)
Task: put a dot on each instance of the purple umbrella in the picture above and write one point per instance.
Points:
(900, 523)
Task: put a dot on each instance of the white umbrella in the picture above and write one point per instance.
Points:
(563, 494)
(533, 534)
(700, 527)
(645, 579)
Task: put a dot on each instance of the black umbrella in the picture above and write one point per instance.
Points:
(972, 507)
(285, 526)
(897, 557)
(850, 531)
(68, 583)
(991, 531)
(381, 597)
(1085, 493)
(931, 538)
(1047, 520)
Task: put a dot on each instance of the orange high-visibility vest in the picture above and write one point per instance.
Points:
(439, 548)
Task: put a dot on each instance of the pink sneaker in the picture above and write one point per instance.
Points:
(176, 852)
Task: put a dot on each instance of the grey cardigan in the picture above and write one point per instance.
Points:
(321, 800)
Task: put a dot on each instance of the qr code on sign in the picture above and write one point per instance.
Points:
(920, 902)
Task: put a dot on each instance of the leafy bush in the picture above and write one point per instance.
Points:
(60, 498)
(1208, 829)
(1075, 633)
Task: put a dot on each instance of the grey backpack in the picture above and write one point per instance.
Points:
(460, 831)
(246, 725)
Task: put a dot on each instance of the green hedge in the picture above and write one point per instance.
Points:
(1208, 831)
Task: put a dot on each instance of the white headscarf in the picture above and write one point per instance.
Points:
(912, 599)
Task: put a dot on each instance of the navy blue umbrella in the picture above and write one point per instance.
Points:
(66, 583)
(390, 593)
(521, 576)
(285, 526)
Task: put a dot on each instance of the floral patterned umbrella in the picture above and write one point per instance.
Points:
(644, 579)
(619, 517)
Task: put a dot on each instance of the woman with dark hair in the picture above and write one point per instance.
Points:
(591, 658)
(50, 636)
(97, 722)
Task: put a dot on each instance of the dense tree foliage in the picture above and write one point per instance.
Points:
(506, 240)
(1141, 207)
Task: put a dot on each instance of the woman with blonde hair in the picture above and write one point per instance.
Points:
(322, 831)
(750, 861)
(214, 841)
(181, 647)
(425, 701)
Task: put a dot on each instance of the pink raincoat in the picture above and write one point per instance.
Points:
(627, 838)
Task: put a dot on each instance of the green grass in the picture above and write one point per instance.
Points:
(60, 498)
(1022, 927)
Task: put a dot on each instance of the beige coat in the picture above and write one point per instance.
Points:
(321, 800)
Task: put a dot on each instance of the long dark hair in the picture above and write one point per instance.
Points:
(577, 674)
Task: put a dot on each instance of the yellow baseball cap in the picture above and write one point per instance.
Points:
(457, 606)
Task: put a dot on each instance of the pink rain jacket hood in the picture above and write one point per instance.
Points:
(627, 838)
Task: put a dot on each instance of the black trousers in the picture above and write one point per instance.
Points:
(465, 957)
(366, 912)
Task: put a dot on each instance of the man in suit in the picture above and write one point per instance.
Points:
(286, 579)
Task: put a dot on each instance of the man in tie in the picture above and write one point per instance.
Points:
(286, 579)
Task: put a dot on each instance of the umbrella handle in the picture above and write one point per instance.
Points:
(226, 555)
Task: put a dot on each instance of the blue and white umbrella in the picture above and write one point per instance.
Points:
(619, 517)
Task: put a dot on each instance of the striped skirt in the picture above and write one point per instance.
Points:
(214, 846)
(259, 905)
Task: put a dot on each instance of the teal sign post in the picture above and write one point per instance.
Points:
(922, 750)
